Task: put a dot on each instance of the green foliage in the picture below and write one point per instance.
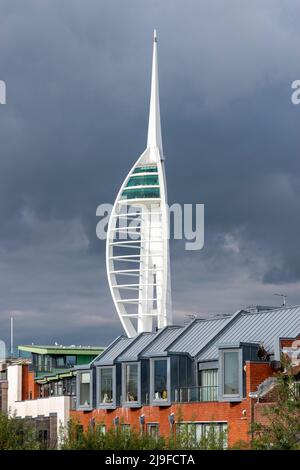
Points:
(187, 438)
(282, 428)
(117, 438)
(17, 434)
(113, 439)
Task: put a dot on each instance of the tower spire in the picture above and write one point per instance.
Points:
(154, 128)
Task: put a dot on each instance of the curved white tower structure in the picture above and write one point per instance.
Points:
(137, 247)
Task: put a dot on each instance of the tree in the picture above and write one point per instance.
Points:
(282, 427)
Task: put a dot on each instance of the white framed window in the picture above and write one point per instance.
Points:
(211, 434)
(153, 430)
(84, 389)
(208, 385)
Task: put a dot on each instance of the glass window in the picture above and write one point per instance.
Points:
(204, 435)
(208, 380)
(40, 363)
(71, 361)
(148, 180)
(153, 430)
(125, 428)
(141, 193)
(160, 380)
(84, 392)
(231, 372)
(60, 362)
(106, 385)
(131, 378)
(145, 169)
(60, 388)
(48, 363)
(101, 428)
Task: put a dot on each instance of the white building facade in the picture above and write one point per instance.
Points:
(39, 407)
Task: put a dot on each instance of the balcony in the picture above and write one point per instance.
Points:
(196, 394)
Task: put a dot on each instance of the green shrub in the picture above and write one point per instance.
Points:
(17, 434)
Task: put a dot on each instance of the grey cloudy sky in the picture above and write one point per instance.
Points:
(78, 79)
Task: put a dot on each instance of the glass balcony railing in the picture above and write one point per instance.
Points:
(196, 394)
(148, 180)
(141, 193)
(145, 169)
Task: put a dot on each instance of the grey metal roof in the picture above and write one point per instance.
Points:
(165, 337)
(197, 335)
(265, 327)
(113, 351)
(138, 345)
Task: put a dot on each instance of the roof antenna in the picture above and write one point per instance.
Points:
(284, 296)
(11, 336)
(189, 318)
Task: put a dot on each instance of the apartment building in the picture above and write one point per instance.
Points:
(208, 373)
(42, 389)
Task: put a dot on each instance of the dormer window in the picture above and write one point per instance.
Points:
(131, 384)
(106, 388)
(84, 389)
(160, 381)
(231, 374)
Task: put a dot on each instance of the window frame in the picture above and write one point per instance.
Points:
(126, 403)
(209, 393)
(234, 396)
(79, 373)
(150, 426)
(154, 401)
(202, 425)
(100, 404)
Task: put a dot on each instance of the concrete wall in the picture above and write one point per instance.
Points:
(14, 379)
(44, 407)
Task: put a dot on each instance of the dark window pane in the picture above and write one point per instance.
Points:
(106, 381)
(160, 380)
(145, 169)
(85, 383)
(231, 373)
(131, 382)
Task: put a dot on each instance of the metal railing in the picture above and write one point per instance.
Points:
(196, 394)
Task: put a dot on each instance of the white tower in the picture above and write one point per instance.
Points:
(137, 247)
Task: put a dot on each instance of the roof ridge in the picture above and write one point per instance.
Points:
(230, 319)
(260, 312)
(109, 348)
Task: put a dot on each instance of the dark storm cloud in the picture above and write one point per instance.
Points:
(78, 76)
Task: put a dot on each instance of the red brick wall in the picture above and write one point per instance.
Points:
(260, 410)
(256, 373)
(287, 342)
(211, 411)
(237, 415)
(24, 382)
(28, 384)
